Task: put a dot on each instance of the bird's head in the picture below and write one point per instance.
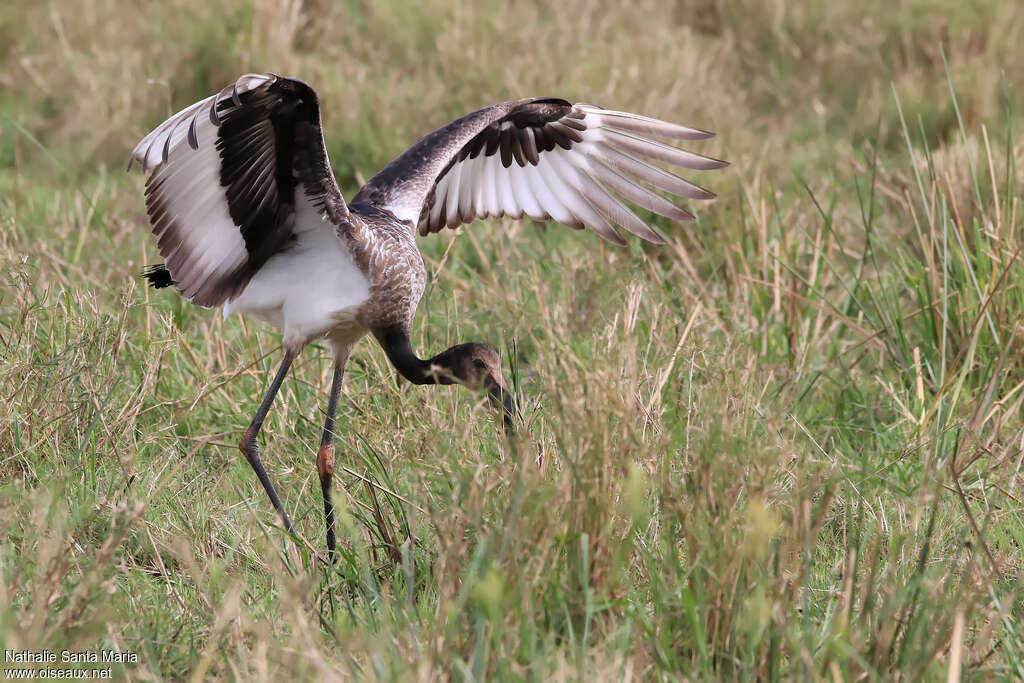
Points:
(477, 366)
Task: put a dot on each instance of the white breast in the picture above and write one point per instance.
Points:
(309, 289)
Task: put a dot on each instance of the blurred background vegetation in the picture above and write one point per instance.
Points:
(786, 444)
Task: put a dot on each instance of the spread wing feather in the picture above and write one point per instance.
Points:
(547, 159)
(228, 177)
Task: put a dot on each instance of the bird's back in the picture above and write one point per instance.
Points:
(386, 250)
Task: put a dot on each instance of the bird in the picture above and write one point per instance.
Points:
(248, 216)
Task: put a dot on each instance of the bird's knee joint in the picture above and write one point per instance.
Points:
(248, 443)
(325, 461)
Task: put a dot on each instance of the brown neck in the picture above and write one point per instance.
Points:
(396, 345)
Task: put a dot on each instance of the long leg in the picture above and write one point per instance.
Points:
(249, 447)
(325, 456)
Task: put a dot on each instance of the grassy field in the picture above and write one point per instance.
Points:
(788, 444)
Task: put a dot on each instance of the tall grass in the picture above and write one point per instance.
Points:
(787, 444)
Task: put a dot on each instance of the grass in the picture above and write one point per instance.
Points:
(786, 445)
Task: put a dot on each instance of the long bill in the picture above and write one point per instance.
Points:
(503, 400)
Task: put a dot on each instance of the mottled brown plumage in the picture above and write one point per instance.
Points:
(385, 250)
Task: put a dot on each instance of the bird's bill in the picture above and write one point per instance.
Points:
(503, 399)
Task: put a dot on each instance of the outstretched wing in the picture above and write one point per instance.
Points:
(547, 159)
(230, 176)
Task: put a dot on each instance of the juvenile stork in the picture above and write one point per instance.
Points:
(248, 216)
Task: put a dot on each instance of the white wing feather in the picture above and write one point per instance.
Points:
(581, 186)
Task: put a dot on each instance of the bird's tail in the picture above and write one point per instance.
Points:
(158, 276)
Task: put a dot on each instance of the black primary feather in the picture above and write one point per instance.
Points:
(158, 276)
